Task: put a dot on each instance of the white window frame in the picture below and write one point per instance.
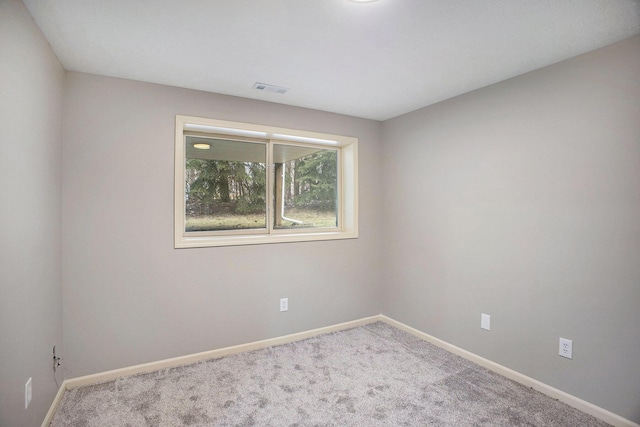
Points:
(347, 184)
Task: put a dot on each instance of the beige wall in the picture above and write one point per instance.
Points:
(129, 296)
(31, 90)
(522, 201)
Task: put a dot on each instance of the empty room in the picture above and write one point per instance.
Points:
(320, 212)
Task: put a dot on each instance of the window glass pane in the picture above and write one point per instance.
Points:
(305, 187)
(225, 184)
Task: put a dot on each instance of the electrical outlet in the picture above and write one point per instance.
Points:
(27, 393)
(284, 304)
(566, 348)
(485, 321)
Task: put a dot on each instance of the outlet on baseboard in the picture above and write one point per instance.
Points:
(566, 348)
(284, 304)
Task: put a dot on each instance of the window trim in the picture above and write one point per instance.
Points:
(347, 184)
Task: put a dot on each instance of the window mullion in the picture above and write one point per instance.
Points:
(270, 196)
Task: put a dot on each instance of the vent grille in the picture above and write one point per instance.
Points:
(270, 88)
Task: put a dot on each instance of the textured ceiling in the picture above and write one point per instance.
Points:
(373, 60)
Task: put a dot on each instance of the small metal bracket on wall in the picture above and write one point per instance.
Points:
(56, 359)
(56, 363)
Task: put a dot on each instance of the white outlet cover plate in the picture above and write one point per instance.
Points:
(566, 348)
(284, 304)
(485, 321)
(27, 393)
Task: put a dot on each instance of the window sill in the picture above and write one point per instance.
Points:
(260, 239)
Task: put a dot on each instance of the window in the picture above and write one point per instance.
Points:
(239, 183)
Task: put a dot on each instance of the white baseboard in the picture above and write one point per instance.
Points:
(54, 405)
(212, 354)
(582, 405)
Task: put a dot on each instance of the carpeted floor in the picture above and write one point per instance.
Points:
(373, 375)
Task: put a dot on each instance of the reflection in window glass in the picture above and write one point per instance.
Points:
(305, 187)
(225, 184)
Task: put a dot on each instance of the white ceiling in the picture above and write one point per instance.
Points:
(374, 60)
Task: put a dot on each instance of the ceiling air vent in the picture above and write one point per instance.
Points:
(270, 88)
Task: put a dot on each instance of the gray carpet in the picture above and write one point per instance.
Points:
(373, 375)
